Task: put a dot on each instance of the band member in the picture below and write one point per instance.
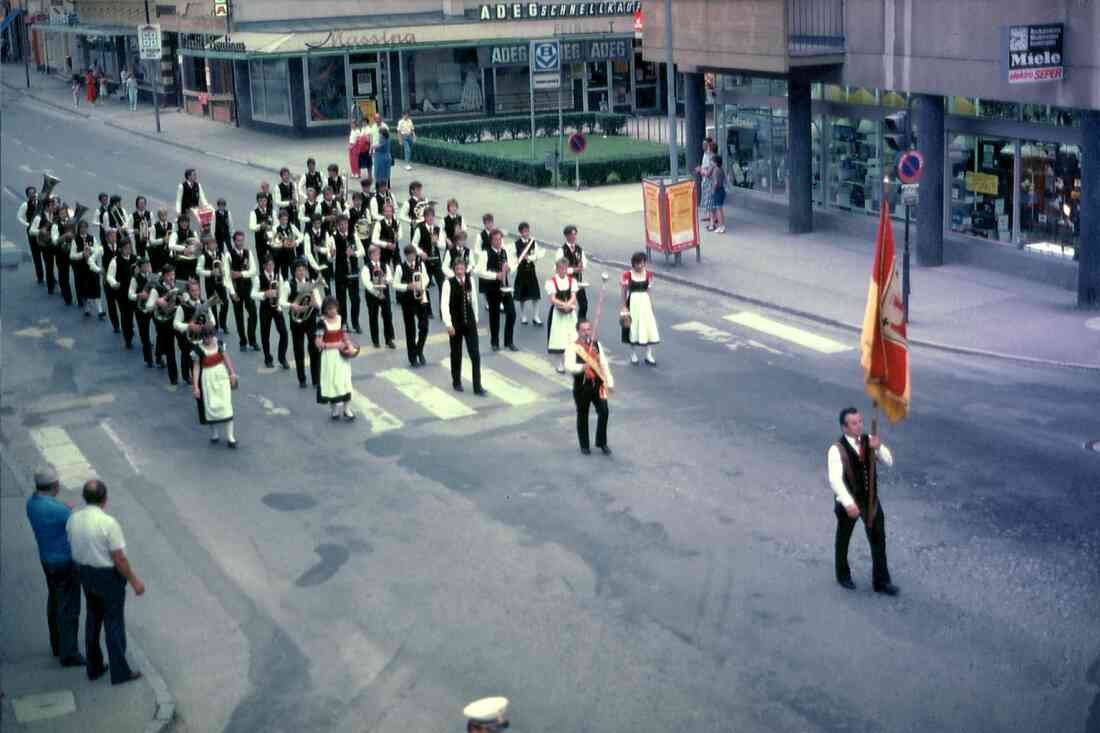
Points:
(265, 192)
(86, 255)
(330, 209)
(223, 225)
(27, 211)
(117, 218)
(410, 207)
(141, 224)
(320, 249)
(457, 250)
(639, 325)
(189, 194)
(410, 280)
(311, 206)
(452, 222)
(186, 326)
(498, 264)
(851, 460)
(110, 295)
(381, 197)
(183, 245)
(561, 328)
(162, 305)
(242, 271)
(376, 278)
(268, 292)
(359, 217)
(303, 322)
(261, 223)
(158, 243)
(387, 234)
(488, 224)
(213, 380)
(460, 317)
(334, 387)
(425, 237)
(43, 227)
(61, 245)
(527, 292)
(578, 263)
(347, 254)
(212, 267)
(102, 219)
(138, 294)
(285, 244)
(310, 179)
(336, 182)
(592, 382)
(119, 273)
(286, 197)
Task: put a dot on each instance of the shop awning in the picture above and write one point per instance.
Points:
(87, 30)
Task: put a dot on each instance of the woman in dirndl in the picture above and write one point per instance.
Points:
(213, 379)
(561, 322)
(335, 386)
(639, 325)
(527, 290)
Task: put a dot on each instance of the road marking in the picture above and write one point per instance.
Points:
(122, 447)
(66, 342)
(1093, 323)
(498, 385)
(36, 331)
(765, 347)
(787, 333)
(25, 168)
(707, 333)
(270, 407)
(380, 420)
(57, 403)
(55, 445)
(539, 366)
(9, 191)
(43, 706)
(425, 394)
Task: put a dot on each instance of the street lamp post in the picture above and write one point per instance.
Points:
(156, 78)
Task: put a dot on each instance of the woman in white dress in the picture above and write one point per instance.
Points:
(561, 322)
(641, 330)
(213, 379)
(335, 386)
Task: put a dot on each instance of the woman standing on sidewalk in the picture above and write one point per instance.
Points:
(718, 194)
(703, 170)
(90, 86)
(383, 156)
(132, 92)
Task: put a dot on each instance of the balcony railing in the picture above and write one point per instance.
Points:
(815, 27)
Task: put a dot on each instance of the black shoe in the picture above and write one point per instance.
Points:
(376, 344)
(457, 387)
(512, 347)
(335, 417)
(148, 365)
(889, 589)
(283, 363)
(358, 330)
(586, 451)
(231, 444)
(93, 676)
(135, 675)
(391, 345)
(129, 347)
(161, 364)
(847, 583)
(269, 362)
(102, 316)
(214, 439)
(480, 392)
(77, 661)
(87, 314)
(496, 347)
(255, 347)
(173, 382)
(302, 385)
(117, 329)
(414, 362)
(423, 361)
(606, 450)
(242, 345)
(187, 380)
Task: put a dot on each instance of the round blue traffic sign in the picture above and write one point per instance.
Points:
(911, 167)
(578, 143)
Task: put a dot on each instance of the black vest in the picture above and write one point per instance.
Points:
(461, 304)
(116, 218)
(525, 265)
(209, 283)
(486, 240)
(430, 246)
(221, 227)
(123, 273)
(344, 267)
(493, 262)
(138, 217)
(108, 255)
(266, 283)
(99, 220)
(856, 483)
(459, 253)
(142, 279)
(285, 191)
(337, 186)
(388, 232)
(190, 197)
(261, 235)
(578, 379)
(317, 244)
(330, 209)
(378, 274)
(309, 208)
(451, 225)
(162, 230)
(314, 181)
(238, 262)
(407, 271)
(574, 257)
(285, 232)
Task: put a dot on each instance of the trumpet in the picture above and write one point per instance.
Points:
(421, 207)
(143, 229)
(218, 273)
(272, 293)
(376, 276)
(418, 288)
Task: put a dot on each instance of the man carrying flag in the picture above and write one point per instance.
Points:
(853, 459)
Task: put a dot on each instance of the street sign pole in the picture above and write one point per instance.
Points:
(908, 208)
(156, 78)
(531, 84)
(27, 49)
(670, 76)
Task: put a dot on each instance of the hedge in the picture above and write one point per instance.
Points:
(515, 127)
(528, 172)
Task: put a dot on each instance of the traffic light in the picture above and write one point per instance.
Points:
(897, 131)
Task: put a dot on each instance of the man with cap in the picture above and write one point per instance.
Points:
(487, 715)
(48, 516)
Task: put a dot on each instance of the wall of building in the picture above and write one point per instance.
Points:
(723, 34)
(274, 10)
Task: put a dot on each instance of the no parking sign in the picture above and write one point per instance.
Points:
(911, 167)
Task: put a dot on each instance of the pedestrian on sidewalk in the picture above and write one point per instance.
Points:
(48, 516)
(76, 89)
(90, 86)
(407, 131)
(718, 196)
(132, 91)
(104, 89)
(383, 156)
(705, 189)
(99, 551)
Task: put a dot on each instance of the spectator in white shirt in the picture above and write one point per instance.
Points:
(407, 131)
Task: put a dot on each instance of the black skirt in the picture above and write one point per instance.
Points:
(527, 285)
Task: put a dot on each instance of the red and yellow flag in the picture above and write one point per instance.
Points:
(884, 348)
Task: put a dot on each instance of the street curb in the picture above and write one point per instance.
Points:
(165, 709)
(814, 317)
(47, 102)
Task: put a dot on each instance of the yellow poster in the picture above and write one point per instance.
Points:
(682, 222)
(981, 183)
(651, 203)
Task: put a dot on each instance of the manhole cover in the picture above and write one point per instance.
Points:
(1093, 445)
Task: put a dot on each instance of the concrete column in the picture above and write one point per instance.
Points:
(800, 162)
(695, 121)
(932, 145)
(1088, 253)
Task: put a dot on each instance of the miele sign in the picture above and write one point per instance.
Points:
(1035, 53)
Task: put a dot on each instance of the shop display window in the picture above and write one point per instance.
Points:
(898, 100)
(1050, 198)
(437, 80)
(863, 95)
(854, 175)
(327, 85)
(836, 93)
(270, 86)
(981, 186)
(998, 110)
(620, 87)
(1045, 114)
(964, 106)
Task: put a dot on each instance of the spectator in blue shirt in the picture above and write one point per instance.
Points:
(48, 516)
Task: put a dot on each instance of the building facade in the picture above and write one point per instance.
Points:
(1003, 100)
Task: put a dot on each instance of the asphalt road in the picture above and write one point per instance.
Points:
(327, 577)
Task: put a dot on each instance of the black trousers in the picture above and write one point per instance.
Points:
(582, 304)
(415, 316)
(469, 335)
(374, 306)
(269, 315)
(185, 269)
(36, 257)
(105, 596)
(185, 355)
(63, 608)
(166, 348)
(111, 299)
(495, 298)
(876, 537)
(348, 290)
(126, 318)
(436, 274)
(158, 256)
(143, 319)
(64, 276)
(301, 337)
(587, 394)
(48, 265)
(242, 304)
(284, 258)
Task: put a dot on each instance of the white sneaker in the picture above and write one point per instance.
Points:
(537, 321)
(633, 358)
(408, 167)
(523, 321)
(720, 230)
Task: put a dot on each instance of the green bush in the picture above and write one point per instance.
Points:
(470, 131)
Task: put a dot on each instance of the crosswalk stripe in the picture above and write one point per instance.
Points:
(539, 366)
(502, 387)
(55, 445)
(380, 420)
(425, 394)
(787, 333)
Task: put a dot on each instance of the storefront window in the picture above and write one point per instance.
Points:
(895, 99)
(855, 164)
(779, 150)
(645, 82)
(512, 90)
(597, 86)
(327, 90)
(817, 135)
(862, 95)
(749, 147)
(1050, 198)
(836, 93)
(998, 110)
(270, 85)
(435, 79)
(965, 106)
(1044, 114)
(620, 86)
(981, 186)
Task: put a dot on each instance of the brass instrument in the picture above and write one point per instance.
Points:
(304, 298)
(418, 211)
(272, 292)
(377, 276)
(362, 228)
(218, 272)
(417, 286)
(143, 229)
(504, 269)
(167, 312)
(48, 184)
(190, 245)
(203, 317)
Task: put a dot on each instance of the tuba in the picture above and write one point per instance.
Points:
(167, 312)
(418, 212)
(305, 298)
(362, 228)
(49, 183)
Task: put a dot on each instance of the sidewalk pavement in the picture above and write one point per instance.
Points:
(821, 276)
(38, 693)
